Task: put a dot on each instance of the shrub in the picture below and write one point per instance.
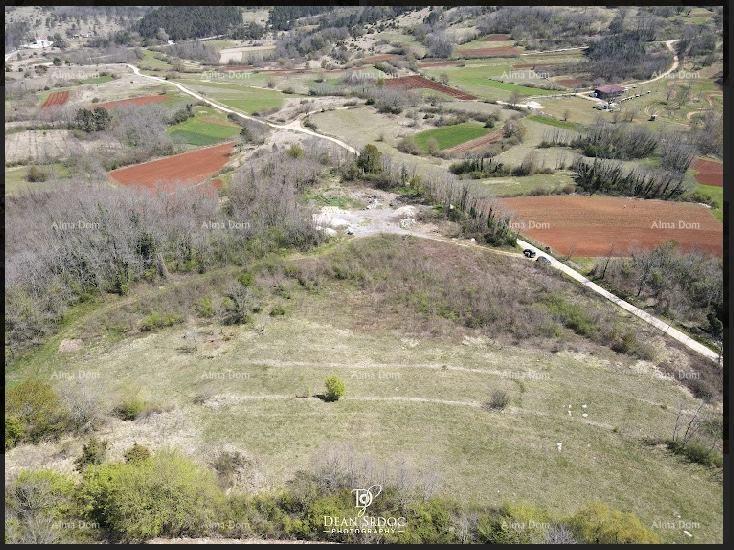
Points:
(238, 305)
(35, 175)
(13, 431)
(227, 465)
(600, 524)
(33, 411)
(137, 453)
(37, 501)
(498, 401)
(277, 311)
(93, 452)
(295, 151)
(408, 145)
(166, 495)
(570, 315)
(134, 407)
(334, 388)
(246, 279)
(205, 307)
(370, 159)
(156, 321)
(696, 452)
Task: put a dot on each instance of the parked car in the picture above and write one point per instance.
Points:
(543, 260)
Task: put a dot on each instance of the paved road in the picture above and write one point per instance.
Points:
(293, 126)
(687, 341)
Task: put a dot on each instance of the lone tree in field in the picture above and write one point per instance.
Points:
(334, 388)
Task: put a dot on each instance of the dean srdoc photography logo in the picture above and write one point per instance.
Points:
(362, 522)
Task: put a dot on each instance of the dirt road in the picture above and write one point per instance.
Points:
(290, 127)
(676, 334)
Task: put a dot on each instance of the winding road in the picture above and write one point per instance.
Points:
(294, 126)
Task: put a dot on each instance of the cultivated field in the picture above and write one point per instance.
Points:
(56, 99)
(709, 172)
(602, 226)
(183, 169)
(133, 101)
(413, 82)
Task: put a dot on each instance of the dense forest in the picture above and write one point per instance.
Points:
(190, 22)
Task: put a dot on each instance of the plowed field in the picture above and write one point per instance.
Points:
(182, 170)
(594, 226)
(411, 82)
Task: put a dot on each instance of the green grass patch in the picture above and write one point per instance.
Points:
(206, 127)
(98, 79)
(16, 178)
(536, 184)
(450, 136)
(550, 121)
(477, 78)
(239, 96)
(716, 194)
(153, 61)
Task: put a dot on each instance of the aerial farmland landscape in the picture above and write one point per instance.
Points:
(365, 274)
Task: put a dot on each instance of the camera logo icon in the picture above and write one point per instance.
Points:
(363, 498)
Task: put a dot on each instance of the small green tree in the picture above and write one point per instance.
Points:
(137, 453)
(334, 388)
(370, 159)
(93, 452)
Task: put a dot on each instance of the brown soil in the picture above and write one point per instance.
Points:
(55, 99)
(184, 169)
(709, 172)
(590, 226)
(142, 100)
(411, 82)
(502, 51)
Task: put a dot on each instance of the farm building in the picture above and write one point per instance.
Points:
(608, 91)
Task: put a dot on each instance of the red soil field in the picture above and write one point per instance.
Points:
(709, 172)
(589, 226)
(182, 170)
(497, 37)
(410, 82)
(142, 100)
(55, 99)
(503, 51)
(570, 82)
(377, 58)
(476, 144)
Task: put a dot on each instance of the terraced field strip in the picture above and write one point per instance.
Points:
(599, 226)
(136, 101)
(56, 99)
(709, 172)
(451, 136)
(416, 81)
(182, 170)
(477, 144)
(503, 51)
